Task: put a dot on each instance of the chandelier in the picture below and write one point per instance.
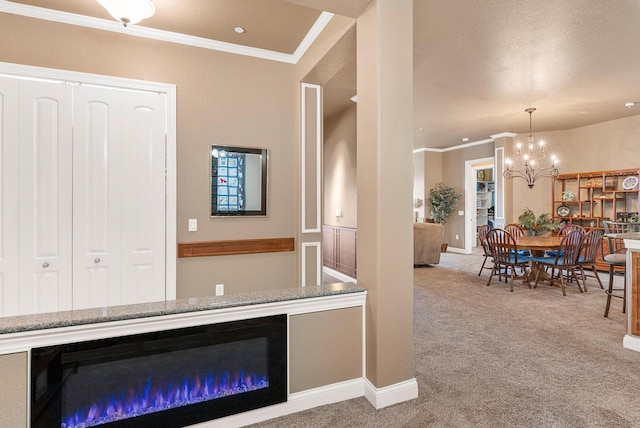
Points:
(129, 11)
(530, 161)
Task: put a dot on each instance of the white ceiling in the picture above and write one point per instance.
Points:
(477, 64)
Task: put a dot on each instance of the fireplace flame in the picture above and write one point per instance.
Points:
(152, 398)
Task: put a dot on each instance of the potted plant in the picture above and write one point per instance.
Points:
(442, 200)
(541, 225)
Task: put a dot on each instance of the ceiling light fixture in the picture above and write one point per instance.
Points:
(129, 11)
(239, 30)
(630, 104)
(530, 161)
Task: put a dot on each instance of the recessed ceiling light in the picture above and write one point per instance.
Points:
(239, 30)
(465, 139)
(630, 104)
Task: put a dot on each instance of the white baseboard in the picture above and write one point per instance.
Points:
(457, 250)
(297, 403)
(631, 342)
(389, 395)
(338, 275)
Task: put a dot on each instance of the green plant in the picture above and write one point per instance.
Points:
(537, 225)
(442, 200)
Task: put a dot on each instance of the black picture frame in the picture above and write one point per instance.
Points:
(239, 179)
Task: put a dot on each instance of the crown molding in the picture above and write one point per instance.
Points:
(168, 36)
(449, 149)
(504, 134)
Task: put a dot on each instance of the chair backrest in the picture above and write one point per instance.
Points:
(514, 230)
(482, 236)
(616, 245)
(501, 246)
(568, 228)
(591, 244)
(570, 248)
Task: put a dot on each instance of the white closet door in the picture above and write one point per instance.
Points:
(9, 199)
(45, 197)
(143, 223)
(97, 197)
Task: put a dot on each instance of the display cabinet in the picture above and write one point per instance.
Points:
(588, 198)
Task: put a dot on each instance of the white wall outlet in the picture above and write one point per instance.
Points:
(457, 237)
(460, 212)
(193, 225)
(219, 289)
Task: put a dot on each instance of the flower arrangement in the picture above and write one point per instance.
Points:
(540, 225)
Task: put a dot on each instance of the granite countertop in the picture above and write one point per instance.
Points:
(144, 310)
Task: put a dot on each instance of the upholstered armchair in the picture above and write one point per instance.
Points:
(427, 238)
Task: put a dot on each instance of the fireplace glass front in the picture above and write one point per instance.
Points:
(170, 378)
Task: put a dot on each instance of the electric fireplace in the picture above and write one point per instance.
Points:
(170, 378)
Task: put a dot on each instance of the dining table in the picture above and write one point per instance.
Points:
(538, 245)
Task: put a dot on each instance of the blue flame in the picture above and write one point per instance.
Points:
(151, 398)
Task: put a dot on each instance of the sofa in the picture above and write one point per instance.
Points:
(427, 238)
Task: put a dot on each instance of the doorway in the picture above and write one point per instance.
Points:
(479, 198)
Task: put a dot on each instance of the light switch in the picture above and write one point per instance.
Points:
(193, 224)
(338, 213)
(460, 212)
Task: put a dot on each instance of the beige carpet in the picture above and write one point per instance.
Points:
(486, 357)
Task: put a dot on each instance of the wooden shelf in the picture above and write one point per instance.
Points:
(599, 196)
(243, 246)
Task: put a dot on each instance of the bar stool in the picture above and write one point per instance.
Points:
(617, 258)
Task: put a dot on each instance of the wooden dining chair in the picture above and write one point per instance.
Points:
(565, 263)
(565, 230)
(502, 247)
(591, 247)
(515, 230)
(617, 259)
(482, 239)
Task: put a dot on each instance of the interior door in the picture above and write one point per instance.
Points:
(97, 197)
(9, 199)
(143, 172)
(45, 163)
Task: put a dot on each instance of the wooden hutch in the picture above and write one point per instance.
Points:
(588, 198)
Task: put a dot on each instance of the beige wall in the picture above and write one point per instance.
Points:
(600, 147)
(603, 146)
(328, 348)
(340, 180)
(221, 99)
(13, 390)
(427, 172)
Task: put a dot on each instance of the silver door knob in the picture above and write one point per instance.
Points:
(45, 264)
(96, 260)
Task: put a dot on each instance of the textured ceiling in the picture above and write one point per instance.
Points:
(477, 64)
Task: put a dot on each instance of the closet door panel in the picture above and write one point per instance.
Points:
(45, 197)
(97, 197)
(144, 119)
(9, 199)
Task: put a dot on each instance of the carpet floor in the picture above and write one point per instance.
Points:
(486, 357)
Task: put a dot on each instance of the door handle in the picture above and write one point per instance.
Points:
(96, 260)
(45, 264)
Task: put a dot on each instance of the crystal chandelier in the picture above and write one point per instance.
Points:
(530, 160)
(129, 11)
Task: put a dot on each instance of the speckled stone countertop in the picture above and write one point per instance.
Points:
(144, 310)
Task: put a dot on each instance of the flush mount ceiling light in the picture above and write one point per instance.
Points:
(129, 11)
(530, 160)
(239, 30)
(630, 104)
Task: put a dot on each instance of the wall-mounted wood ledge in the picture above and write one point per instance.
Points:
(242, 246)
